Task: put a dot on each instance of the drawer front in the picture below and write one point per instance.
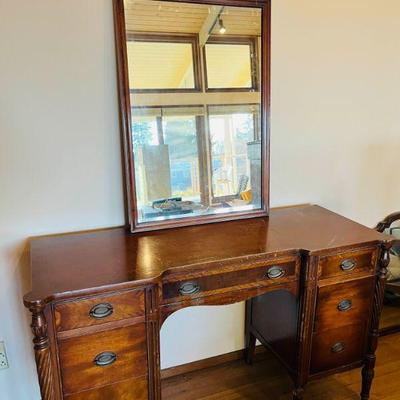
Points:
(103, 358)
(348, 263)
(131, 389)
(344, 304)
(338, 348)
(100, 309)
(278, 272)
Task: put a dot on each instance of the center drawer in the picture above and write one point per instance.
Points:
(103, 358)
(277, 272)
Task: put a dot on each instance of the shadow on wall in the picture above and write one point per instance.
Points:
(377, 188)
(16, 331)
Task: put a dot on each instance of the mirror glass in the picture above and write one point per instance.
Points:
(237, 74)
(194, 81)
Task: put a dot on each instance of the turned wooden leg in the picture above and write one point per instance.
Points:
(250, 348)
(369, 366)
(42, 352)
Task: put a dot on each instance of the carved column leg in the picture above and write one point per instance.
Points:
(369, 366)
(308, 298)
(42, 352)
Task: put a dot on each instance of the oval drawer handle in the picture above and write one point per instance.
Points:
(105, 358)
(102, 310)
(338, 347)
(189, 288)
(275, 272)
(348, 265)
(345, 305)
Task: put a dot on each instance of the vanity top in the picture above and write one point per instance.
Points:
(84, 261)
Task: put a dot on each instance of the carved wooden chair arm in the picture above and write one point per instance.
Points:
(388, 221)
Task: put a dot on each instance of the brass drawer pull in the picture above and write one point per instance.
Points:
(275, 272)
(104, 359)
(101, 311)
(337, 347)
(345, 305)
(348, 265)
(189, 288)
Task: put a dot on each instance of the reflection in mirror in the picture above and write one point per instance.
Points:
(194, 80)
(147, 53)
(240, 72)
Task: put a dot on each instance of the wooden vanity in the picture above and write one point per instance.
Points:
(313, 282)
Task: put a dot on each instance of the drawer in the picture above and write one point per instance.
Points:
(338, 347)
(100, 359)
(131, 389)
(278, 272)
(348, 263)
(100, 309)
(344, 303)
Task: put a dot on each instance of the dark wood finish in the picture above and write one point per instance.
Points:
(387, 222)
(308, 301)
(274, 322)
(80, 264)
(76, 314)
(230, 260)
(43, 357)
(325, 356)
(357, 292)
(172, 290)
(370, 359)
(77, 358)
(394, 327)
(126, 129)
(130, 389)
(364, 262)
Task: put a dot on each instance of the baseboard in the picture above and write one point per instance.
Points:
(260, 354)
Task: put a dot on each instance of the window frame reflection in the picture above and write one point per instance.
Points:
(249, 41)
(252, 109)
(171, 39)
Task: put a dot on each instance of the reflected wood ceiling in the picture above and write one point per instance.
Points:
(186, 18)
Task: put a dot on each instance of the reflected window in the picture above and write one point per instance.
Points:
(176, 55)
(235, 151)
(165, 145)
(239, 73)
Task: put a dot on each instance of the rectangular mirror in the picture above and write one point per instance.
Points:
(194, 98)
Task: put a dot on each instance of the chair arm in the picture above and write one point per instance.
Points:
(388, 221)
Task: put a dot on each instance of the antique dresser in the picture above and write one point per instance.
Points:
(313, 282)
(194, 95)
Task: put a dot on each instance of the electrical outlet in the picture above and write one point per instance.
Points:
(3, 356)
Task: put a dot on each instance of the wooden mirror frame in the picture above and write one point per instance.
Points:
(126, 125)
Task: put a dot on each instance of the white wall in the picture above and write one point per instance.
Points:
(335, 138)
